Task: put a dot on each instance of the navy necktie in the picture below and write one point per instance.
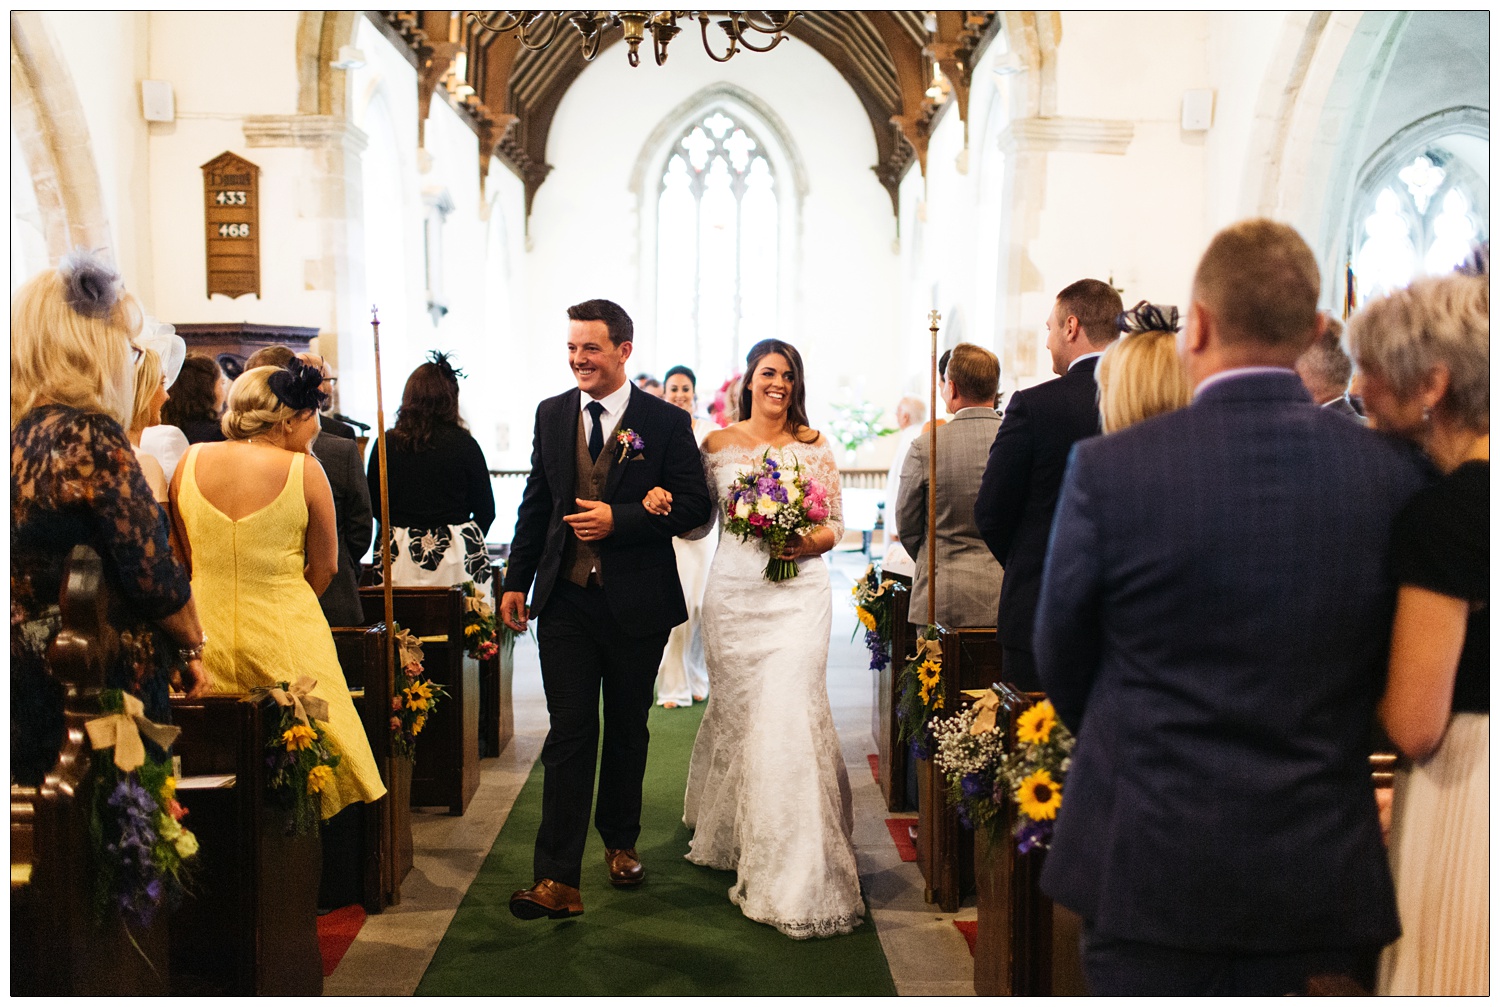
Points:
(596, 436)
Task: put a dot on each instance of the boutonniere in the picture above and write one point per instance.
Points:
(630, 444)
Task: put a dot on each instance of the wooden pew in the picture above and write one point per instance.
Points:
(945, 849)
(381, 842)
(892, 753)
(497, 718)
(249, 924)
(55, 949)
(446, 771)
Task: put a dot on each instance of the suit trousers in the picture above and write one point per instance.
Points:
(1117, 967)
(583, 647)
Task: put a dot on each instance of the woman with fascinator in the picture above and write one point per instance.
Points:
(255, 514)
(441, 500)
(1141, 375)
(75, 480)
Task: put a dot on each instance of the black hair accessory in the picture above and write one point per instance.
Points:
(441, 360)
(296, 386)
(1148, 317)
(90, 287)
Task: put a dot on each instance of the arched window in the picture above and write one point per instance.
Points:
(717, 248)
(1421, 218)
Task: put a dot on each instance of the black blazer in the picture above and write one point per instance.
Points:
(1214, 624)
(637, 563)
(1021, 480)
(351, 504)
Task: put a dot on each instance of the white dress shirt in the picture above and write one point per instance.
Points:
(614, 407)
(1086, 356)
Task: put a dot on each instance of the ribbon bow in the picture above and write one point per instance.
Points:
(986, 706)
(929, 648)
(409, 648)
(300, 698)
(122, 732)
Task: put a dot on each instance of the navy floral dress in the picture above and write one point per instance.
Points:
(74, 480)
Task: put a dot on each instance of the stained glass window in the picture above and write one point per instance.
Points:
(1420, 220)
(716, 247)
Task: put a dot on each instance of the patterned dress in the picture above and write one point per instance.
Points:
(74, 480)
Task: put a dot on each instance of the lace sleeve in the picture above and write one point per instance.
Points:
(822, 467)
(713, 499)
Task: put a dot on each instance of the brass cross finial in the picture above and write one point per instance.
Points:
(933, 318)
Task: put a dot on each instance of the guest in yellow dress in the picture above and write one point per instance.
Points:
(256, 514)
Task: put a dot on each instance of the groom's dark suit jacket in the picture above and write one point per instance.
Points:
(636, 562)
(1214, 623)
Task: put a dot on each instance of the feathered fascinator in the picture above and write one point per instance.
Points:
(90, 287)
(1148, 317)
(296, 386)
(444, 365)
(163, 338)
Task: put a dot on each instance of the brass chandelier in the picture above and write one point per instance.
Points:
(538, 29)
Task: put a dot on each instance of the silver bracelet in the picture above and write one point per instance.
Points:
(194, 652)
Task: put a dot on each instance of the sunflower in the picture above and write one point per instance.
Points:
(1035, 726)
(298, 737)
(318, 777)
(865, 617)
(929, 672)
(1039, 796)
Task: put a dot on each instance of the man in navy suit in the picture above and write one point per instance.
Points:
(603, 581)
(1018, 492)
(1214, 624)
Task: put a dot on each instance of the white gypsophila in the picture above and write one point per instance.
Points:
(959, 752)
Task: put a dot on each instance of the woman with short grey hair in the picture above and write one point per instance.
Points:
(1423, 355)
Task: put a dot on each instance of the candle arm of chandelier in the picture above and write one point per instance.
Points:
(526, 30)
(737, 33)
(708, 47)
(501, 25)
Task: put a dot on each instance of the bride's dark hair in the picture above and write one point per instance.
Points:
(796, 412)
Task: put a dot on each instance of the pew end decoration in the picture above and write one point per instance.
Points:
(301, 763)
(970, 753)
(921, 693)
(1034, 772)
(771, 505)
(140, 849)
(416, 695)
(481, 628)
(875, 607)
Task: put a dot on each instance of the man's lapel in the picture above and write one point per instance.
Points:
(563, 449)
(631, 417)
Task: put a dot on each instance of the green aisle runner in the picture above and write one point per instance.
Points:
(676, 934)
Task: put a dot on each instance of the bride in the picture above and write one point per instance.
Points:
(767, 793)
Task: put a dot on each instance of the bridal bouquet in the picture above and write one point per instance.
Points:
(768, 504)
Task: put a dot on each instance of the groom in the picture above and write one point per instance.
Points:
(604, 588)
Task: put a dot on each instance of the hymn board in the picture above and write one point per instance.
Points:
(231, 201)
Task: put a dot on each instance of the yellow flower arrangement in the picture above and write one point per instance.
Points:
(298, 737)
(929, 673)
(1039, 796)
(169, 788)
(865, 618)
(1035, 726)
(318, 777)
(417, 725)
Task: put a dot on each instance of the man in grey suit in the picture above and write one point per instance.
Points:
(1325, 370)
(971, 576)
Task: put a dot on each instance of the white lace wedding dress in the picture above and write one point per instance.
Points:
(767, 793)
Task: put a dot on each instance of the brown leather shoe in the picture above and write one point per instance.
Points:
(625, 868)
(546, 898)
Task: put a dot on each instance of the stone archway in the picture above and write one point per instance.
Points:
(321, 89)
(53, 135)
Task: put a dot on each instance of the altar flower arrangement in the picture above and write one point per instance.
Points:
(970, 753)
(300, 760)
(771, 504)
(416, 695)
(139, 848)
(1034, 774)
(921, 693)
(875, 606)
(480, 625)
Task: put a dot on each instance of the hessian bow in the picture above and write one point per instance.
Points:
(122, 732)
(300, 698)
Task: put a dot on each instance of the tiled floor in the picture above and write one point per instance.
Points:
(927, 954)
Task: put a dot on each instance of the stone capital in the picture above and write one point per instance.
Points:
(313, 131)
(1042, 134)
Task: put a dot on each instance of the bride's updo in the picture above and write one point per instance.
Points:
(796, 411)
(253, 408)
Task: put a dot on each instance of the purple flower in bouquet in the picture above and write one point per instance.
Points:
(1033, 835)
(973, 785)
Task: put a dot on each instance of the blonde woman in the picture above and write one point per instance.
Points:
(1423, 356)
(1141, 374)
(256, 516)
(74, 480)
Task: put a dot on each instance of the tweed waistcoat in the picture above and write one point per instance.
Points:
(579, 557)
